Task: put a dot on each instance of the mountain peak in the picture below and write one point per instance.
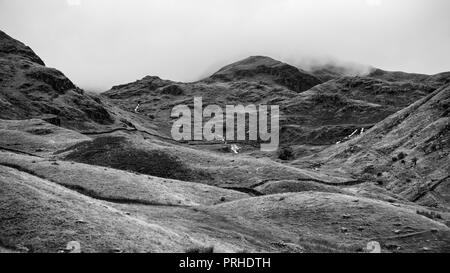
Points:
(251, 62)
(263, 68)
(9, 45)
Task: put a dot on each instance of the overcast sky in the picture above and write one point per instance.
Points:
(100, 43)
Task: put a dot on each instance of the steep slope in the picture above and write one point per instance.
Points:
(30, 89)
(328, 112)
(352, 99)
(407, 153)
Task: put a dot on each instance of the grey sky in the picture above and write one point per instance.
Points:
(100, 43)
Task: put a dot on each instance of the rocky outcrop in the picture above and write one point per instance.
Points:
(52, 77)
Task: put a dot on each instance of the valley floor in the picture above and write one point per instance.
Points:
(220, 202)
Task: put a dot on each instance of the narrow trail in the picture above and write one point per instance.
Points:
(252, 192)
(118, 200)
(127, 130)
(344, 183)
(402, 236)
(427, 190)
(109, 131)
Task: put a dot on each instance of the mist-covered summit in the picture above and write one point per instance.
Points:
(267, 69)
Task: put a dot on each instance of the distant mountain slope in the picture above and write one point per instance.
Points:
(30, 89)
(333, 70)
(434, 81)
(324, 114)
(408, 152)
(397, 76)
(332, 110)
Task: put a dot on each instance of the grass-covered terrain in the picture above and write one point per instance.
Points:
(363, 157)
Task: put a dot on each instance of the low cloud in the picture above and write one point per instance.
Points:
(102, 43)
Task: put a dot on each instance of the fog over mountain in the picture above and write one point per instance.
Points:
(101, 43)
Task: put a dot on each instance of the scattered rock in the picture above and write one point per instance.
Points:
(393, 247)
(22, 248)
(73, 247)
(116, 250)
(291, 248)
(235, 148)
(373, 247)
